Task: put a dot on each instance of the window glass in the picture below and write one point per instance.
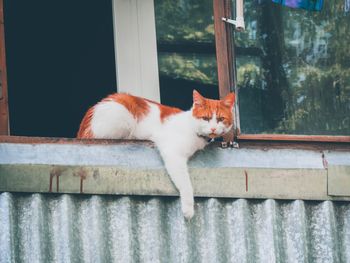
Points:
(293, 69)
(186, 50)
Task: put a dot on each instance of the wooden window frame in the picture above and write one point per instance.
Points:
(4, 110)
(225, 54)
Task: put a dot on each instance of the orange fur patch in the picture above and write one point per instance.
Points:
(138, 107)
(165, 111)
(85, 125)
(205, 108)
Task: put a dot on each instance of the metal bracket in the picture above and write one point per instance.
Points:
(238, 23)
(230, 144)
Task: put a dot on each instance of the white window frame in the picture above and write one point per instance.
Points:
(136, 48)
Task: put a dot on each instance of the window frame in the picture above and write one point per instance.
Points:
(225, 55)
(226, 59)
(135, 48)
(4, 110)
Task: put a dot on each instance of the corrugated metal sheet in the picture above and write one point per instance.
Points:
(85, 228)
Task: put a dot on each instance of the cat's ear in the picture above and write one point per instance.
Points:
(198, 99)
(229, 100)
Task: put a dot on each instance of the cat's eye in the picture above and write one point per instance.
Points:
(206, 118)
(220, 119)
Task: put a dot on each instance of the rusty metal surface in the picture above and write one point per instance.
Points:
(75, 228)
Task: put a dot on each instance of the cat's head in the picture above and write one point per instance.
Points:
(214, 117)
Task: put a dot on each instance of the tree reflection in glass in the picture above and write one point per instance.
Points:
(293, 69)
(186, 50)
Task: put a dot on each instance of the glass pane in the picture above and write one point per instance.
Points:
(293, 69)
(190, 66)
(186, 50)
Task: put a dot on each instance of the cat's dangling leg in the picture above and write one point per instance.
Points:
(178, 172)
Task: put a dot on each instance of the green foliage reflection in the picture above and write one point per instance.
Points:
(186, 24)
(301, 82)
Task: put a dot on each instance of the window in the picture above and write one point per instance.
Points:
(186, 50)
(290, 68)
(293, 71)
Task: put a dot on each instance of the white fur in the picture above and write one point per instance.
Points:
(205, 127)
(112, 120)
(176, 138)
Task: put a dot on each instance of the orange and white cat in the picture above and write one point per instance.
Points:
(177, 134)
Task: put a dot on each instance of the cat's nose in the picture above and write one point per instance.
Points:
(213, 129)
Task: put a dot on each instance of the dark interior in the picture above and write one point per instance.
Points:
(60, 61)
(178, 92)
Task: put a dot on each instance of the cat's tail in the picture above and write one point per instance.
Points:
(85, 131)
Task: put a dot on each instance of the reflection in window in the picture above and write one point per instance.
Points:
(293, 69)
(186, 50)
(199, 68)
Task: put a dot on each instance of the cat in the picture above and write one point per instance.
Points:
(177, 134)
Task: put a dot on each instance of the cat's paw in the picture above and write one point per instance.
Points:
(188, 212)
(187, 207)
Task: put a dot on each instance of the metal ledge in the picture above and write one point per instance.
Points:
(137, 169)
(207, 182)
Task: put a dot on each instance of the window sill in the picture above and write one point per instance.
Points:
(264, 141)
(255, 170)
(297, 138)
(56, 140)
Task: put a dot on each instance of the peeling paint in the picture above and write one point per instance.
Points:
(82, 174)
(55, 172)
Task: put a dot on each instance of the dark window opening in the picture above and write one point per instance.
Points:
(60, 61)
